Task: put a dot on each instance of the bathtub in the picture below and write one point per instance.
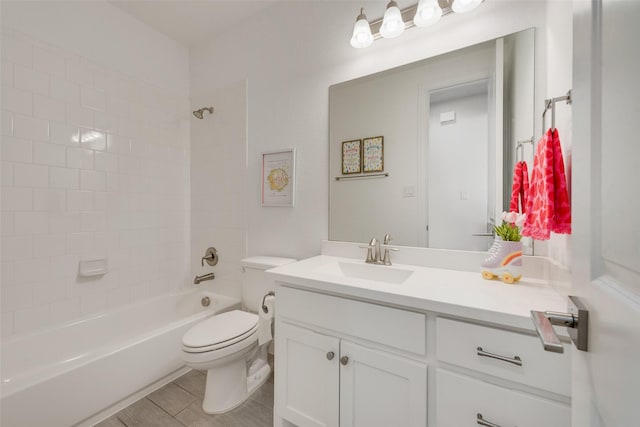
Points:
(79, 372)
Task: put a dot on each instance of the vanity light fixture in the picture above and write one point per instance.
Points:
(392, 23)
(429, 12)
(362, 36)
(462, 6)
(395, 21)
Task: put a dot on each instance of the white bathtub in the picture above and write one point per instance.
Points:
(71, 374)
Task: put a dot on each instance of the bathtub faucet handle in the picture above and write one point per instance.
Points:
(211, 256)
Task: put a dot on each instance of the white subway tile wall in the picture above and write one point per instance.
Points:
(94, 164)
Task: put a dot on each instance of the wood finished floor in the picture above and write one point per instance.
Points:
(179, 404)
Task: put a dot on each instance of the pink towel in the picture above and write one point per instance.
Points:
(520, 188)
(548, 207)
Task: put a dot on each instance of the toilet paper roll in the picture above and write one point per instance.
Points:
(265, 320)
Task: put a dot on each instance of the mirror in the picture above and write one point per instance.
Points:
(440, 176)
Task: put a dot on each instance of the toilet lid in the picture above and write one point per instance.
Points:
(220, 328)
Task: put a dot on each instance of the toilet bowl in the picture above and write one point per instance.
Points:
(222, 345)
(226, 344)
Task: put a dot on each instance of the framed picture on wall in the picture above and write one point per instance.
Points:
(373, 154)
(352, 157)
(278, 177)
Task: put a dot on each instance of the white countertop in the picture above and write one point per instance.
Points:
(450, 292)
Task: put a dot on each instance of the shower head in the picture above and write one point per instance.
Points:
(200, 113)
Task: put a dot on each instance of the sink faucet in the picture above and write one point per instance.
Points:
(387, 259)
(373, 251)
(374, 244)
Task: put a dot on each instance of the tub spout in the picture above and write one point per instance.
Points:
(208, 276)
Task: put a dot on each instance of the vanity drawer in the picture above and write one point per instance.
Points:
(459, 400)
(466, 345)
(404, 330)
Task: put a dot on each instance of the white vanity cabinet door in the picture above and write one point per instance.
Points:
(378, 389)
(459, 400)
(307, 377)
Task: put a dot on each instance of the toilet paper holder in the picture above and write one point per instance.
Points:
(265, 309)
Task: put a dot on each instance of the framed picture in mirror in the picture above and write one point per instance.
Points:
(352, 157)
(373, 154)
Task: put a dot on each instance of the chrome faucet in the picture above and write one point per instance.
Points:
(373, 251)
(204, 277)
(387, 259)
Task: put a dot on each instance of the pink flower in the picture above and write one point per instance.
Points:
(509, 217)
(514, 218)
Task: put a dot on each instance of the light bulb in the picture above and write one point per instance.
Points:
(427, 13)
(362, 36)
(392, 24)
(462, 6)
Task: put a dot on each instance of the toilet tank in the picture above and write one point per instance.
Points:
(255, 283)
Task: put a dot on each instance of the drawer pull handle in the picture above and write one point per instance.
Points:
(515, 360)
(330, 355)
(484, 422)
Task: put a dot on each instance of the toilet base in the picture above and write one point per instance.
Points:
(229, 387)
(260, 377)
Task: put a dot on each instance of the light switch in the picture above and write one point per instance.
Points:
(447, 117)
(409, 191)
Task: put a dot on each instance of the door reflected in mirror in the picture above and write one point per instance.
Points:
(450, 126)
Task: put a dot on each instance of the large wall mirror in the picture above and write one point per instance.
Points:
(449, 126)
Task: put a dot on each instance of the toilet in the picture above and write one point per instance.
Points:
(226, 345)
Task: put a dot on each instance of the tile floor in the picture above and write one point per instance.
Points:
(179, 404)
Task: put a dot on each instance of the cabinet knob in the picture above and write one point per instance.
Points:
(330, 355)
(344, 360)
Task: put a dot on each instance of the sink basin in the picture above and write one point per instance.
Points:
(378, 273)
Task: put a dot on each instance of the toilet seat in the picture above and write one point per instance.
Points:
(221, 331)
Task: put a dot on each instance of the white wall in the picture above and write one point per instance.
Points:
(560, 69)
(87, 68)
(218, 172)
(519, 79)
(100, 32)
(290, 55)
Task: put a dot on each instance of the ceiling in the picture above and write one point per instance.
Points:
(191, 21)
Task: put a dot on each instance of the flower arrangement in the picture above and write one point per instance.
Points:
(509, 230)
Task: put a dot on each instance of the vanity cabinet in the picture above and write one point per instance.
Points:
(346, 356)
(325, 378)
